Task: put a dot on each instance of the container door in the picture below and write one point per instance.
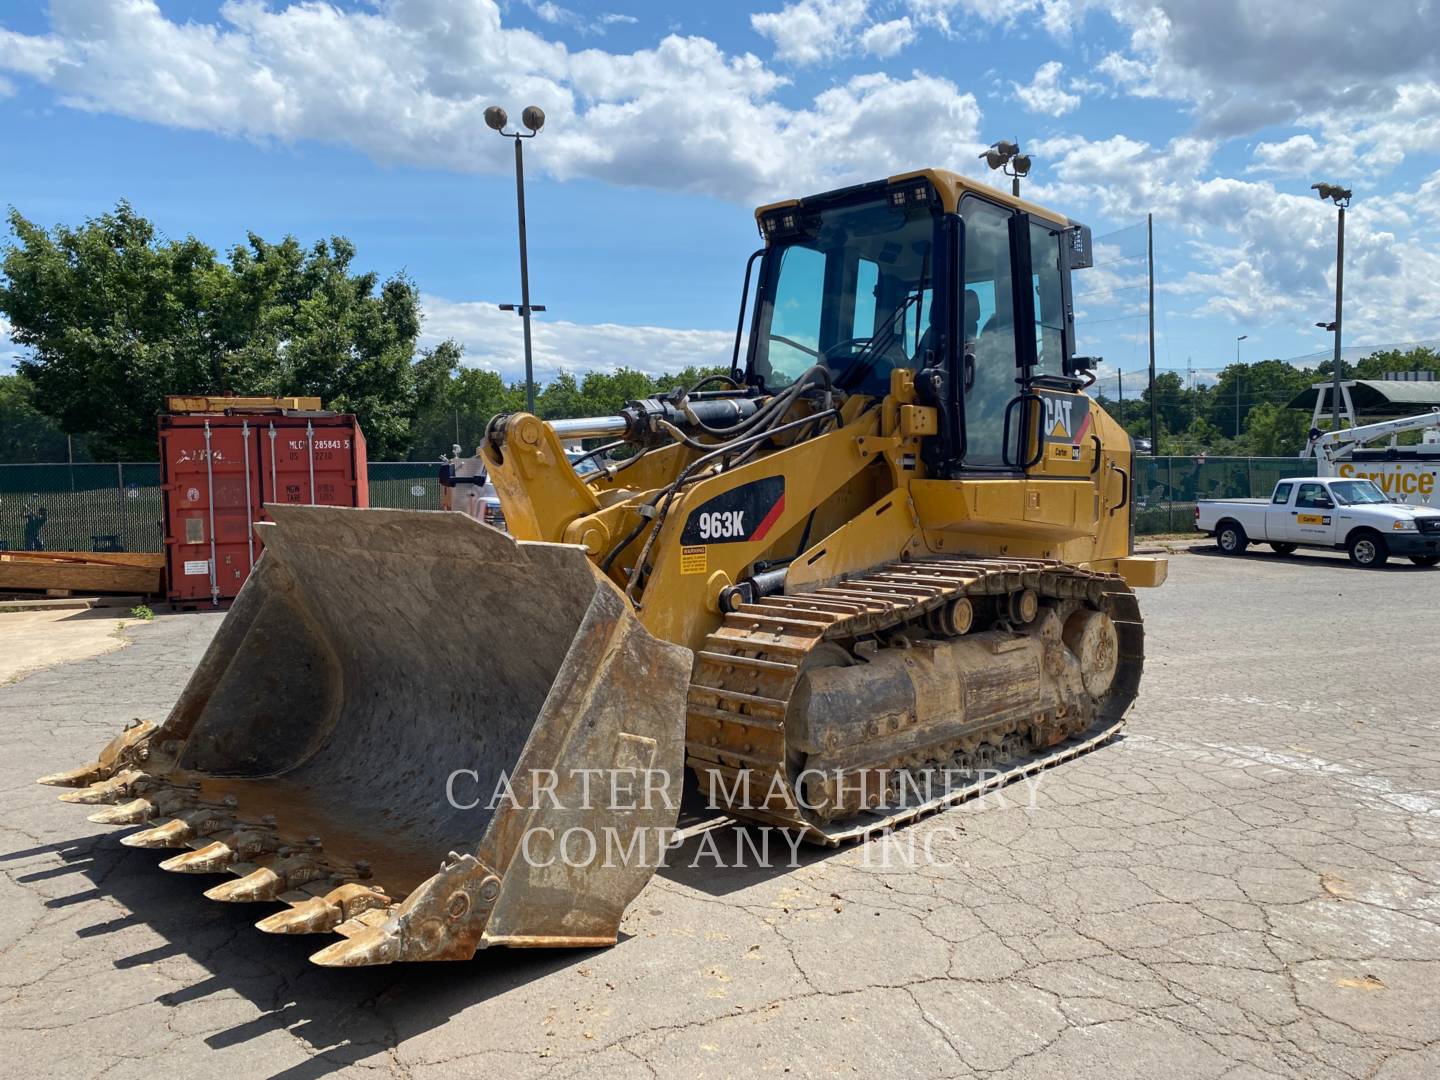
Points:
(334, 454)
(210, 472)
(309, 461)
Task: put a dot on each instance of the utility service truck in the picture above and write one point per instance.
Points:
(1325, 512)
(1405, 473)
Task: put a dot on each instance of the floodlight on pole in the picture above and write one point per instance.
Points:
(1006, 156)
(1340, 196)
(533, 117)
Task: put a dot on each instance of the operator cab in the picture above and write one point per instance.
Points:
(961, 284)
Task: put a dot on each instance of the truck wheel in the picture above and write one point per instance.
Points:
(1368, 549)
(1425, 560)
(1231, 538)
(1284, 549)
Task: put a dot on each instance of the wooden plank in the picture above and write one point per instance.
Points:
(150, 559)
(31, 575)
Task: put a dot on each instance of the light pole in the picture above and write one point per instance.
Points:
(1007, 157)
(534, 119)
(1340, 197)
(1239, 339)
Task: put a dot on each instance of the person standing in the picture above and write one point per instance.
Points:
(35, 521)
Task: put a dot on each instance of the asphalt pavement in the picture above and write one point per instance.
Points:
(1247, 885)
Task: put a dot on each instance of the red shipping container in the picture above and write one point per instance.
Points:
(219, 469)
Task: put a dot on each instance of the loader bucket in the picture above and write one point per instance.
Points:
(398, 691)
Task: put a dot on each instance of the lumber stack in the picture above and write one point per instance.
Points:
(138, 573)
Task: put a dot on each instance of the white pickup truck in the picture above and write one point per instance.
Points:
(1325, 512)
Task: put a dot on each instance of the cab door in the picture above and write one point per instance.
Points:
(1277, 514)
(1312, 519)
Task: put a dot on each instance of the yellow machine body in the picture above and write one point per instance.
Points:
(887, 564)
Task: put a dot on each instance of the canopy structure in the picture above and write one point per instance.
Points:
(1374, 397)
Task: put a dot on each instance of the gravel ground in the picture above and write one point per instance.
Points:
(1245, 886)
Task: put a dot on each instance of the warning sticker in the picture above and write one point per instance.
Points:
(197, 567)
(694, 560)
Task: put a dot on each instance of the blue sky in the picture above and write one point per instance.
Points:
(668, 123)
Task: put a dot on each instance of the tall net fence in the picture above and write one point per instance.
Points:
(81, 507)
(405, 485)
(117, 507)
(1166, 488)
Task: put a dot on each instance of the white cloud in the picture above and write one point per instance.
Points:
(887, 38)
(1255, 254)
(552, 13)
(493, 340)
(1058, 18)
(1243, 65)
(1044, 94)
(1418, 210)
(29, 54)
(407, 81)
(812, 31)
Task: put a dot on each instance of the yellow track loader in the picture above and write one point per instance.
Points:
(882, 564)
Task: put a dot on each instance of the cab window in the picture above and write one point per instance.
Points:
(1313, 497)
(795, 324)
(988, 313)
(1282, 494)
(1045, 281)
(867, 297)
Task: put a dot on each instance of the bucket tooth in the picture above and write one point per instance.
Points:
(113, 790)
(180, 831)
(313, 916)
(322, 913)
(81, 776)
(373, 945)
(131, 813)
(258, 885)
(129, 747)
(172, 834)
(210, 859)
(268, 882)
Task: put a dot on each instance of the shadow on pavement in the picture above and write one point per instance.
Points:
(343, 1015)
(1315, 556)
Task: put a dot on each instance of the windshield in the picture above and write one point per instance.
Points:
(853, 291)
(1347, 492)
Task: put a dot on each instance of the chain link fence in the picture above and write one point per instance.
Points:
(1166, 487)
(117, 507)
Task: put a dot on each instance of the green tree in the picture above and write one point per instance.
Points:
(560, 399)
(1243, 387)
(115, 317)
(1171, 403)
(27, 434)
(1378, 364)
(1271, 430)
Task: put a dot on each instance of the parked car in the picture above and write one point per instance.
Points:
(465, 486)
(1325, 512)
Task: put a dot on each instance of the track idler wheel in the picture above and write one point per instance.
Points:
(1091, 636)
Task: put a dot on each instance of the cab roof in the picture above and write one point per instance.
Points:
(952, 187)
